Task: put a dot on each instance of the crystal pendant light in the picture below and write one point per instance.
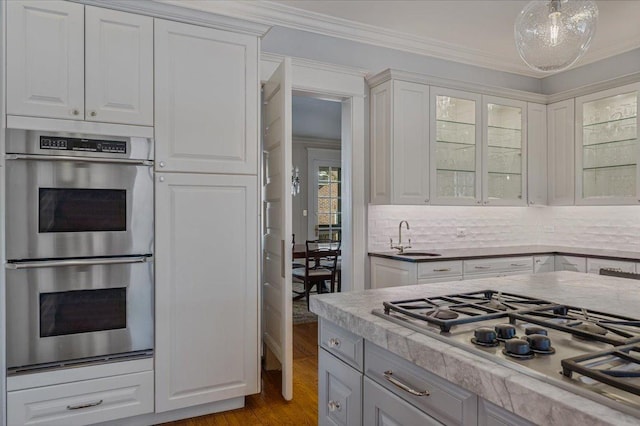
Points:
(553, 35)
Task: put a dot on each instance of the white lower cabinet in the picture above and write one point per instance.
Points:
(339, 392)
(497, 267)
(544, 264)
(81, 403)
(393, 273)
(206, 289)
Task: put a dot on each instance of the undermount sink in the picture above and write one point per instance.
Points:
(418, 254)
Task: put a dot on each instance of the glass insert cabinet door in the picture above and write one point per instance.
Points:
(607, 148)
(504, 148)
(455, 150)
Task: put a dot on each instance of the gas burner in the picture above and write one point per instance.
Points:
(540, 344)
(536, 330)
(518, 348)
(591, 328)
(444, 314)
(484, 336)
(505, 331)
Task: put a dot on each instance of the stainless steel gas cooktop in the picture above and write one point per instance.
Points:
(594, 354)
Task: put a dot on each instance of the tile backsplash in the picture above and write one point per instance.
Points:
(433, 227)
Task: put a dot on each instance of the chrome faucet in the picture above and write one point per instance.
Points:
(400, 247)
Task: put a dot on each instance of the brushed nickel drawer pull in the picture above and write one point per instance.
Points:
(81, 406)
(519, 264)
(483, 267)
(442, 270)
(388, 375)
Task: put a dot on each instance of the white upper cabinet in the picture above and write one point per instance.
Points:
(45, 59)
(537, 154)
(607, 170)
(57, 49)
(119, 67)
(561, 153)
(504, 151)
(206, 99)
(400, 143)
(456, 154)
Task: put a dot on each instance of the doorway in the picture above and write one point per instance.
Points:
(316, 170)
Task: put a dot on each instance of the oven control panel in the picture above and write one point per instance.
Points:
(76, 144)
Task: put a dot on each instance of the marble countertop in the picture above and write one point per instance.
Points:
(533, 399)
(487, 252)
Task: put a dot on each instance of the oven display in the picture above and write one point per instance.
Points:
(82, 311)
(82, 210)
(89, 145)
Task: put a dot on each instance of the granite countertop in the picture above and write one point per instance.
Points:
(533, 399)
(488, 252)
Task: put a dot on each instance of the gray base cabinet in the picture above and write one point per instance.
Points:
(339, 392)
(492, 415)
(380, 408)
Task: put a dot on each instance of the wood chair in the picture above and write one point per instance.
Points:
(320, 266)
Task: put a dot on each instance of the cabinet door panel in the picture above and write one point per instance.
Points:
(561, 153)
(206, 289)
(206, 99)
(381, 144)
(119, 67)
(339, 392)
(45, 59)
(537, 154)
(410, 143)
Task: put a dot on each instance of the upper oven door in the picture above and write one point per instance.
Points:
(62, 207)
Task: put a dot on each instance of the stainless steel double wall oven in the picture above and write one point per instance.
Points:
(79, 229)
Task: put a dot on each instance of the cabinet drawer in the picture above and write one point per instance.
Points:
(483, 266)
(446, 402)
(81, 403)
(341, 343)
(439, 269)
(543, 264)
(492, 415)
(571, 263)
(594, 265)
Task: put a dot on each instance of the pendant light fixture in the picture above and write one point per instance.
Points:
(552, 35)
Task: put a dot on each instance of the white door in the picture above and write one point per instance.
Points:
(119, 67)
(325, 194)
(277, 292)
(206, 99)
(45, 59)
(206, 289)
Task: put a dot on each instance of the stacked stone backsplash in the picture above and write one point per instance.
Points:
(436, 227)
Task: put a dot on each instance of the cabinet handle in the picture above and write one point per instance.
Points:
(75, 112)
(483, 267)
(427, 200)
(442, 270)
(334, 406)
(93, 113)
(518, 264)
(479, 202)
(81, 406)
(162, 164)
(334, 342)
(388, 375)
(532, 202)
(161, 178)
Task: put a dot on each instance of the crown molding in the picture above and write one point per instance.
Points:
(309, 63)
(595, 87)
(177, 11)
(391, 74)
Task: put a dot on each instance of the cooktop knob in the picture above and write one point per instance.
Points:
(517, 348)
(536, 330)
(484, 336)
(505, 331)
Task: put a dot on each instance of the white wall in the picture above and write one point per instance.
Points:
(434, 227)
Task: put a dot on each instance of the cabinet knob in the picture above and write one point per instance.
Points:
(532, 202)
(162, 164)
(334, 406)
(75, 112)
(426, 200)
(334, 343)
(93, 113)
(161, 178)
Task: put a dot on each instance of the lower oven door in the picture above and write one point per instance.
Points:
(85, 310)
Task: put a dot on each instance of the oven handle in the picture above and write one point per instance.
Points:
(78, 262)
(79, 159)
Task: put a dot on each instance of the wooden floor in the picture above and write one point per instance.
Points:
(268, 407)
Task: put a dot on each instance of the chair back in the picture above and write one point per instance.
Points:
(619, 274)
(322, 254)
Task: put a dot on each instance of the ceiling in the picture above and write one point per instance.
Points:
(478, 32)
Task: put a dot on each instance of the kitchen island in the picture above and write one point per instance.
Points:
(526, 395)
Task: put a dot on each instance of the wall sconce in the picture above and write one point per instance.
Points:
(295, 181)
